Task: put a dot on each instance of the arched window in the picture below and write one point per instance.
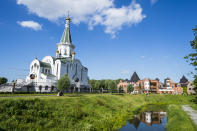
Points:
(45, 71)
(46, 87)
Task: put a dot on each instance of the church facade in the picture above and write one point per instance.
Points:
(45, 73)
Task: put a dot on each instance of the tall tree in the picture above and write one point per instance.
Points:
(192, 57)
(63, 83)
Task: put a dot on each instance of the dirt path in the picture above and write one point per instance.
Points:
(191, 112)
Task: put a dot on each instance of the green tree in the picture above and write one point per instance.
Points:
(102, 84)
(130, 88)
(184, 90)
(192, 58)
(111, 86)
(97, 85)
(3, 80)
(107, 83)
(195, 84)
(92, 83)
(63, 83)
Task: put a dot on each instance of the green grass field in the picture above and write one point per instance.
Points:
(88, 111)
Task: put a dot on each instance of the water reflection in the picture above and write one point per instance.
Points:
(147, 121)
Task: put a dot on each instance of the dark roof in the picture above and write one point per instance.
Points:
(134, 77)
(157, 79)
(126, 80)
(167, 78)
(183, 80)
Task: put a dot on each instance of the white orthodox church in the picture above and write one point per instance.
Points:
(45, 73)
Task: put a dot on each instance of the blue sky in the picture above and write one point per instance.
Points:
(153, 43)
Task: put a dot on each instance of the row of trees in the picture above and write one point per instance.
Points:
(109, 85)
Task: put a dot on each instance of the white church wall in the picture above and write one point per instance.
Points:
(57, 69)
(62, 69)
(35, 69)
(64, 49)
(50, 60)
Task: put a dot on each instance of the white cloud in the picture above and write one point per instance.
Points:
(142, 57)
(114, 18)
(92, 12)
(153, 2)
(30, 24)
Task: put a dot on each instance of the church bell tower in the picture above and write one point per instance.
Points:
(65, 47)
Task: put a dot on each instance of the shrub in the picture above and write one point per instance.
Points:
(130, 88)
(63, 83)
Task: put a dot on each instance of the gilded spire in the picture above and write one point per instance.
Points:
(68, 18)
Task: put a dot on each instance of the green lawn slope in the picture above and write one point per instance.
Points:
(87, 111)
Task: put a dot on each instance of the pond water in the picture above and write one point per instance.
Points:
(147, 121)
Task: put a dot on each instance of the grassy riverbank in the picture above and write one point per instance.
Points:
(86, 111)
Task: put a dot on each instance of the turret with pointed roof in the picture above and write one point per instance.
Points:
(65, 47)
(66, 36)
(183, 80)
(134, 78)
